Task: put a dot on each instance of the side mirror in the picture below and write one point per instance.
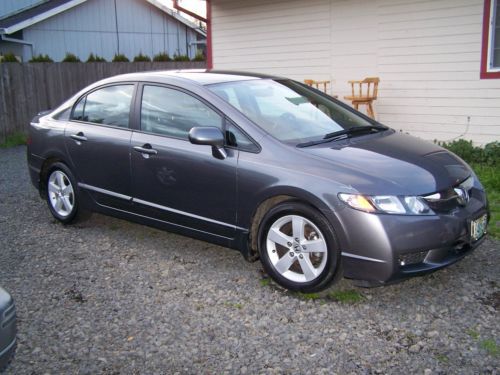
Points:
(211, 136)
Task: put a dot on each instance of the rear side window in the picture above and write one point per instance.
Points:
(108, 106)
(173, 113)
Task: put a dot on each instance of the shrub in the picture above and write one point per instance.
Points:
(120, 57)
(140, 57)
(9, 57)
(162, 57)
(489, 155)
(70, 57)
(181, 58)
(199, 56)
(95, 58)
(41, 59)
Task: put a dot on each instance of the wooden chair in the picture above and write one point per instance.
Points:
(312, 82)
(366, 96)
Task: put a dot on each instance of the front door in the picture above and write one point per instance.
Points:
(177, 181)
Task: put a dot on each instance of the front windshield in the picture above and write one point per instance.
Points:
(287, 110)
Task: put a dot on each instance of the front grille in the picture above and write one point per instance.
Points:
(447, 200)
(412, 258)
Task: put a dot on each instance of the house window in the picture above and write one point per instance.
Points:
(490, 59)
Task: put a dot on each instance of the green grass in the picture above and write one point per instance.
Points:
(15, 139)
(442, 358)
(489, 175)
(472, 333)
(346, 296)
(309, 296)
(491, 347)
(238, 306)
(265, 282)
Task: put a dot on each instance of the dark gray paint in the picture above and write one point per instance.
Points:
(185, 189)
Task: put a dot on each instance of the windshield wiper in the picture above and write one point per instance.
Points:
(343, 134)
(354, 130)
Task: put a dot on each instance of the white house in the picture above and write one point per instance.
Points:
(438, 60)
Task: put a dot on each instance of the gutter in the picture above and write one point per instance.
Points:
(208, 21)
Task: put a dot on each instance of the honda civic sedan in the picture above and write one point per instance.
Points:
(266, 165)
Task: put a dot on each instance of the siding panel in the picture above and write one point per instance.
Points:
(427, 54)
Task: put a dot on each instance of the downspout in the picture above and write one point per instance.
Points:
(208, 22)
(19, 41)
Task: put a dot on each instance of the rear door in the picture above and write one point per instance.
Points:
(97, 139)
(174, 180)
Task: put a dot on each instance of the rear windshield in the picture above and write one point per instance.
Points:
(289, 111)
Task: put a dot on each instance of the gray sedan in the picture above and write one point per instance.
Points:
(264, 165)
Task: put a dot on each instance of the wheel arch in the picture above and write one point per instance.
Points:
(272, 198)
(44, 170)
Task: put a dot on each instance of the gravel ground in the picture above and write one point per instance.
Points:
(108, 296)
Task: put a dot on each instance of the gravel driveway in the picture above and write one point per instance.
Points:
(108, 296)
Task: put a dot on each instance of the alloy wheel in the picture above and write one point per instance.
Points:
(296, 248)
(61, 193)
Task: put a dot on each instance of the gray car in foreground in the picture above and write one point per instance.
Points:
(265, 165)
(8, 329)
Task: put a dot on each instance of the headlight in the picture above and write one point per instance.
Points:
(389, 204)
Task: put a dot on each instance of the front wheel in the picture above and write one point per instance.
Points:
(298, 248)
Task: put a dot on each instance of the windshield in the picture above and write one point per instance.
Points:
(288, 110)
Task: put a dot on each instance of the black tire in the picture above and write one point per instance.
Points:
(76, 212)
(328, 271)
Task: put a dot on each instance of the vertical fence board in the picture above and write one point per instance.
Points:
(26, 89)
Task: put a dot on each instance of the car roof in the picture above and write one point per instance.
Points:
(197, 76)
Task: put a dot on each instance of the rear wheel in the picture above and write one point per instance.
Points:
(62, 193)
(298, 248)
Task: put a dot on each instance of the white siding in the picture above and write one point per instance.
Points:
(426, 53)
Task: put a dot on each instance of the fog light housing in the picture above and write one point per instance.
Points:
(412, 258)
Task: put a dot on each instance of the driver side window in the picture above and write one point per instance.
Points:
(170, 112)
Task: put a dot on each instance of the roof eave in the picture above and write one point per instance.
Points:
(40, 17)
(177, 16)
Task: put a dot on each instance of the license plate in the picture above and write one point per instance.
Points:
(478, 227)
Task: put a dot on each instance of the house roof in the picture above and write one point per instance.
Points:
(41, 12)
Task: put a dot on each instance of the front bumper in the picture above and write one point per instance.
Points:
(379, 249)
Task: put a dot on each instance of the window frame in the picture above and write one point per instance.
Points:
(131, 111)
(487, 72)
(225, 119)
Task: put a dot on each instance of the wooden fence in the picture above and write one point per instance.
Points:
(26, 89)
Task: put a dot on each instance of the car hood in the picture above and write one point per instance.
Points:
(390, 163)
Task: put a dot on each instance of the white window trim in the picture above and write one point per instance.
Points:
(489, 64)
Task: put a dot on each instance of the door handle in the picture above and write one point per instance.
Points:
(80, 137)
(146, 149)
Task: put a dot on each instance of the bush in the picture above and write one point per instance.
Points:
(95, 58)
(489, 155)
(70, 57)
(181, 58)
(140, 57)
(199, 57)
(9, 57)
(41, 59)
(162, 57)
(120, 57)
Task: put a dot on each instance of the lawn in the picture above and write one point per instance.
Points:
(489, 175)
